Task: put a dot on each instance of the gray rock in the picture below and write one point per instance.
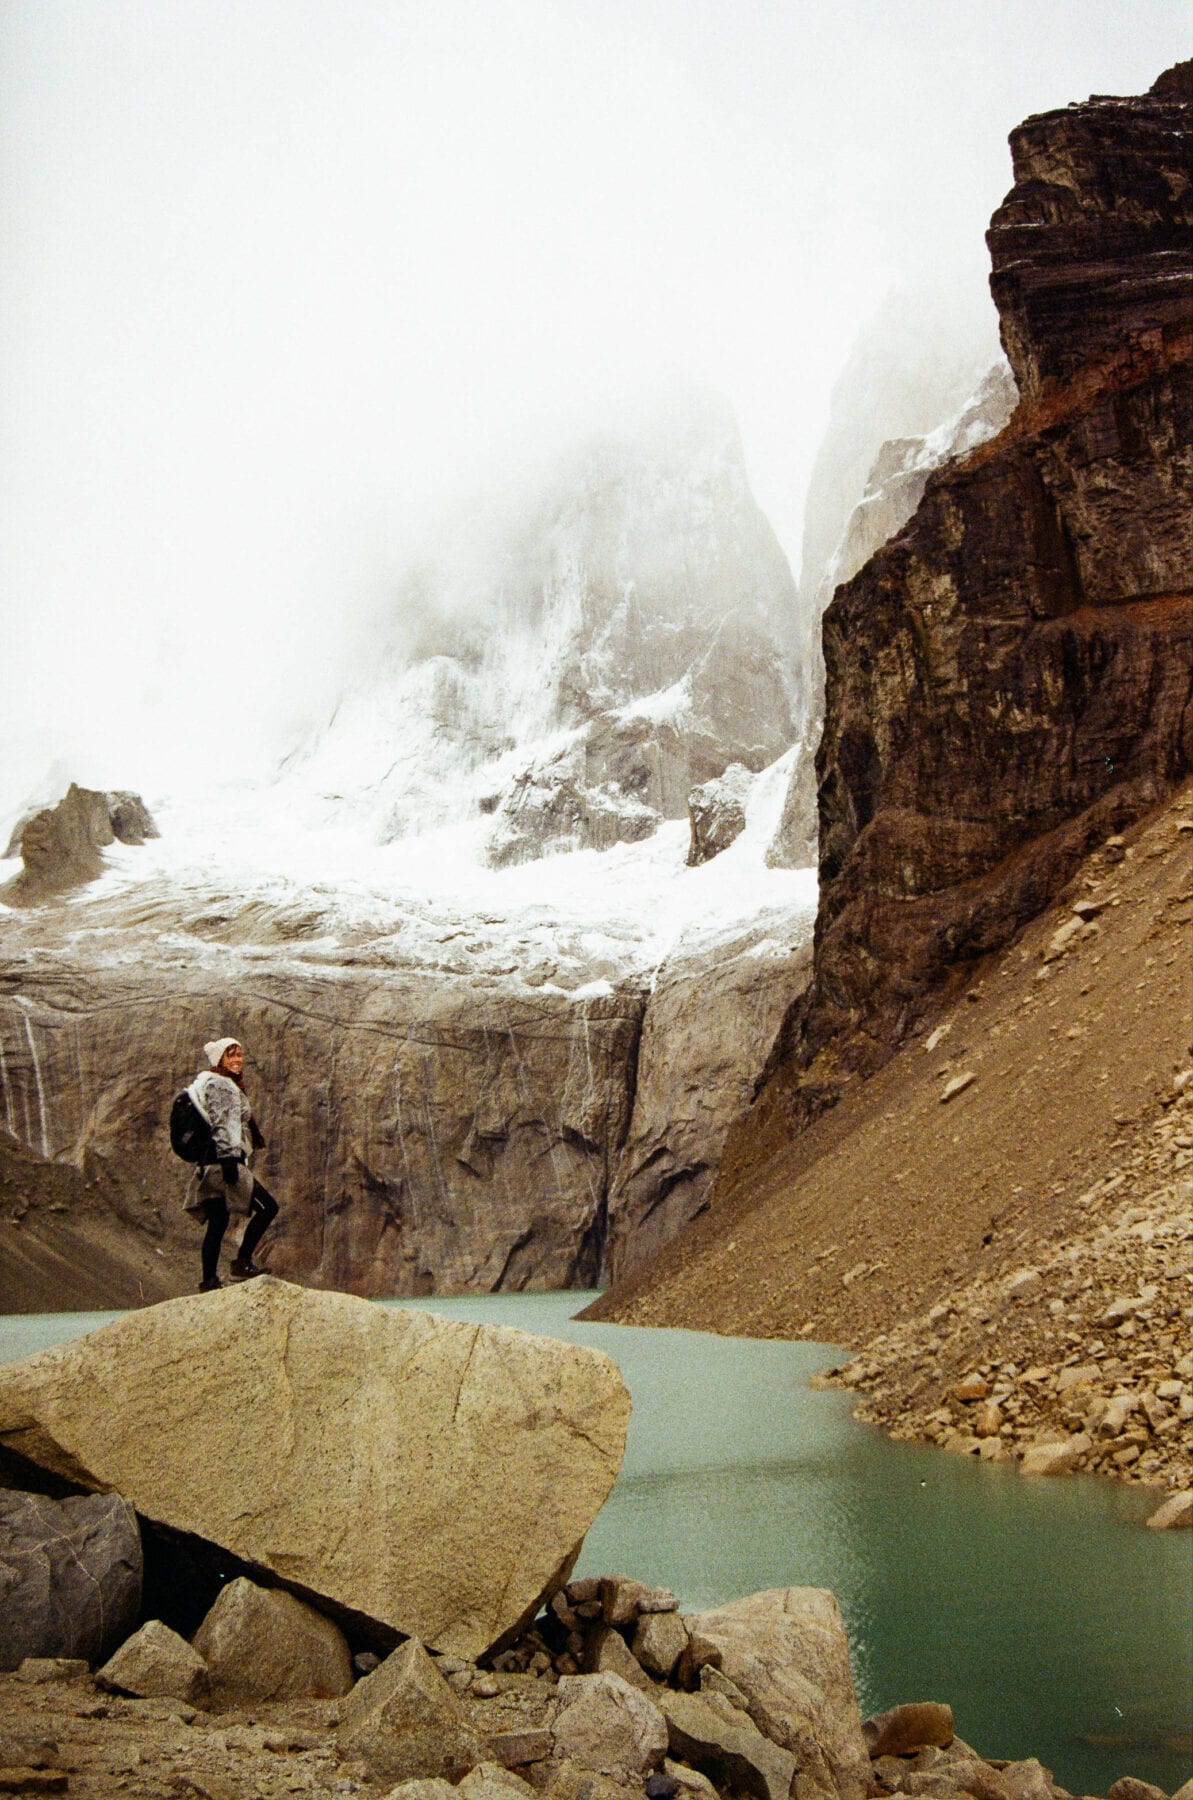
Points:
(690, 1781)
(786, 1650)
(710, 1733)
(34, 1670)
(717, 813)
(155, 1663)
(659, 1641)
(432, 1788)
(1129, 1787)
(516, 1749)
(623, 1599)
(604, 1724)
(906, 1728)
(1176, 1514)
(265, 1644)
(606, 1652)
(491, 1781)
(404, 1723)
(70, 1575)
(1029, 1780)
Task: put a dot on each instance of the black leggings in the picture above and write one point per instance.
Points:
(263, 1210)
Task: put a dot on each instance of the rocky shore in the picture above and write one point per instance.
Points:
(754, 1699)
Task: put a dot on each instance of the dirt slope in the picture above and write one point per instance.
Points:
(74, 1241)
(899, 1200)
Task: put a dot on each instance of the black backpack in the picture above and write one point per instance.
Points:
(190, 1134)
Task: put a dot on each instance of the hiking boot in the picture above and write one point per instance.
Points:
(244, 1271)
(209, 1287)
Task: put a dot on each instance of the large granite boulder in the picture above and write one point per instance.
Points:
(70, 1575)
(786, 1653)
(433, 1477)
(717, 813)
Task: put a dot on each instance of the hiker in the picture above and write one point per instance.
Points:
(224, 1183)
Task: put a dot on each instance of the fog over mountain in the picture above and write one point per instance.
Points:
(289, 290)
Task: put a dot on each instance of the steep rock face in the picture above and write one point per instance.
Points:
(710, 1025)
(425, 1133)
(1012, 678)
(60, 845)
(1092, 242)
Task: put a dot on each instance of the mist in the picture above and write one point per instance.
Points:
(284, 284)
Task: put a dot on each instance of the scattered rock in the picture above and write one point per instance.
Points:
(603, 1723)
(606, 1652)
(155, 1663)
(491, 1781)
(786, 1650)
(403, 1721)
(1056, 1459)
(907, 1728)
(1176, 1513)
(971, 1387)
(723, 1742)
(1128, 1787)
(624, 1600)
(957, 1085)
(70, 1572)
(717, 810)
(38, 1669)
(265, 1644)
(377, 1447)
(659, 1642)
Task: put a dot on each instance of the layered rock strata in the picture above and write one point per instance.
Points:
(1011, 679)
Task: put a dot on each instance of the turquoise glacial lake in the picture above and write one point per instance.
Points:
(1042, 1610)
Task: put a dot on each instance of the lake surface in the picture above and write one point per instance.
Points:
(1054, 1624)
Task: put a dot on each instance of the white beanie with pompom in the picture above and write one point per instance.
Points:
(214, 1052)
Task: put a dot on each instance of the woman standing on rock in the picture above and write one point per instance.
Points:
(225, 1184)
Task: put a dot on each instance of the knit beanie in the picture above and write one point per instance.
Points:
(215, 1050)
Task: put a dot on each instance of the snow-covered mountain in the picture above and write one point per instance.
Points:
(570, 664)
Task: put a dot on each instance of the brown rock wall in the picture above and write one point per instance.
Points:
(1011, 678)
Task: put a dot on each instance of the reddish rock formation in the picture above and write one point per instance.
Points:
(1011, 678)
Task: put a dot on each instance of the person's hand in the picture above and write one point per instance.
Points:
(230, 1168)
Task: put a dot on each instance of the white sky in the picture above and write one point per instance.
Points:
(278, 274)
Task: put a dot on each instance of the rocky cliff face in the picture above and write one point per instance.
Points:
(1011, 678)
(425, 1133)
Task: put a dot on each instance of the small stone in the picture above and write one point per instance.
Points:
(1019, 1285)
(1176, 1514)
(1129, 1787)
(607, 1652)
(907, 1728)
(404, 1722)
(155, 1663)
(957, 1085)
(971, 1387)
(36, 1669)
(659, 1642)
(604, 1724)
(1056, 1459)
(623, 1599)
(491, 1781)
(516, 1749)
